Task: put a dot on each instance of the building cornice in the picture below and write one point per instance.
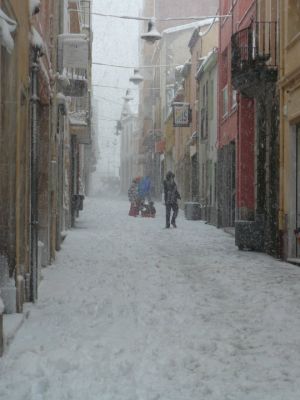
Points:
(289, 79)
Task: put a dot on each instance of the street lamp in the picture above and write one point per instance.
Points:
(136, 78)
(118, 128)
(152, 35)
(127, 97)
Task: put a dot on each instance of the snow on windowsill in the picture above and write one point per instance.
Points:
(7, 26)
(36, 39)
(34, 6)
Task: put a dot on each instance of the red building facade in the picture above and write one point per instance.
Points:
(248, 123)
(236, 136)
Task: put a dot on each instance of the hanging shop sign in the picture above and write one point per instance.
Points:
(181, 114)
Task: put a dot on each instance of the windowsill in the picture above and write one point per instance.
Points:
(203, 140)
(228, 115)
(225, 116)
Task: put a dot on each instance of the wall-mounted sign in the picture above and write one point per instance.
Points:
(181, 114)
(73, 51)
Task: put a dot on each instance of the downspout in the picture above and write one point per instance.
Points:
(34, 178)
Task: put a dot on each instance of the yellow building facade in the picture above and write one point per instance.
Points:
(289, 207)
(14, 154)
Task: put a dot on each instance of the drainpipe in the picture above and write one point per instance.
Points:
(34, 178)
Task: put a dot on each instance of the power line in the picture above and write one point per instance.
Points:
(108, 100)
(135, 67)
(112, 87)
(121, 88)
(141, 18)
(107, 119)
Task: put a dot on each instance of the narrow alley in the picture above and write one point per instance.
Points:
(132, 311)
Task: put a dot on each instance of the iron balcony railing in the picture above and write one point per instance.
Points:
(255, 47)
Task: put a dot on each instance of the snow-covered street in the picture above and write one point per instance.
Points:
(132, 311)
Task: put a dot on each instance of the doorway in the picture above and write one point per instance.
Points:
(297, 187)
(231, 184)
(195, 178)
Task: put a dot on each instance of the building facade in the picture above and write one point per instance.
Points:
(235, 125)
(15, 144)
(207, 76)
(254, 67)
(43, 156)
(158, 87)
(289, 215)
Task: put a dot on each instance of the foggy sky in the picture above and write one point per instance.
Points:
(115, 41)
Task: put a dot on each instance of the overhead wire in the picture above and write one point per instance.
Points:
(121, 88)
(135, 67)
(142, 18)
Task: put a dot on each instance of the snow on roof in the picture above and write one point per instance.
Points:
(179, 67)
(71, 36)
(61, 98)
(197, 24)
(34, 6)
(7, 26)
(186, 68)
(36, 39)
(63, 79)
(213, 21)
(205, 61)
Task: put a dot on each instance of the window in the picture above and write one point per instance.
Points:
(211, 100)
(225, 101)
(204, 111)
(215, 183)
(233, 98)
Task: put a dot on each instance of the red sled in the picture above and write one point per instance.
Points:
(134, 211)
(146, 214)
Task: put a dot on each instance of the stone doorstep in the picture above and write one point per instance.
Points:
(11, 325)
(295, 261)
(230, 230)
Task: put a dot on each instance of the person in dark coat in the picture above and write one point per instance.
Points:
(171, 195)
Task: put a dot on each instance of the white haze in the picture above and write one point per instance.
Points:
(115, 42)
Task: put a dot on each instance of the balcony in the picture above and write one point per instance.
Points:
(78, 83)
(79, 119)
(73, 64)
(254, 61)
